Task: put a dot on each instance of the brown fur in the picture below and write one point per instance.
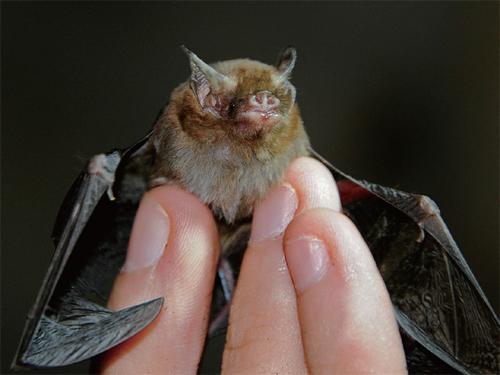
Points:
(227, 165)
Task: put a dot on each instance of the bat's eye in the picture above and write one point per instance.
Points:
(233, 105)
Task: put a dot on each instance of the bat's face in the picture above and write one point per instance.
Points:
(239, 99)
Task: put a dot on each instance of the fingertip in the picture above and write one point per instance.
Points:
(193, 244)
(311, 244)
(307, 259)
(157, 220)
(314, 184)
(274, 213)
(181, 202)
(343, 305)
(183, 273)
(344, 246)
(149, 235)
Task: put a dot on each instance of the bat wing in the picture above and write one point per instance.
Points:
(446, 321)
(68, 322)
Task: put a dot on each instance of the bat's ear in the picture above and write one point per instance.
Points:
(204, 78)
(286, 61)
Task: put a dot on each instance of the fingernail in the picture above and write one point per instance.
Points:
(307, 259)
(149, 236)
(274, 213)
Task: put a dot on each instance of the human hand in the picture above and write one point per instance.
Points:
(309, 296)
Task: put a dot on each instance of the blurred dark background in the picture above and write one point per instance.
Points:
(402, 94)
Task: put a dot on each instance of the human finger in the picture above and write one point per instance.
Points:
(264, 335)
(172, 252)
(346, 317)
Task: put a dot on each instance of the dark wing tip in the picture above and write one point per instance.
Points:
(60, 344)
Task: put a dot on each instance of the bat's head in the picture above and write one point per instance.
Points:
(229, 132)
(241, 98)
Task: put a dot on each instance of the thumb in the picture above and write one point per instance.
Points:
(173, 252)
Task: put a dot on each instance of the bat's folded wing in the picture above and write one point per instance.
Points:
(78, 338)
(446, 321)
(68, 322)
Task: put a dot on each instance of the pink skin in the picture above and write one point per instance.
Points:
(259, 111)
(252, 114)
(309, 297)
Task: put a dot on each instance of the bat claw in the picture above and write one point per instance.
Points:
(110, 194)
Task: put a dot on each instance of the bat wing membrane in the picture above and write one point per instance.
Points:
(68, 322)
(446, 320)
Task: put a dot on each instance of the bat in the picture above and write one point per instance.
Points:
(243, 115)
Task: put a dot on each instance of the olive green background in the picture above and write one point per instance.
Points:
(402, 94)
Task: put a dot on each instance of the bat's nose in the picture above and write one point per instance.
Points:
(264, 100)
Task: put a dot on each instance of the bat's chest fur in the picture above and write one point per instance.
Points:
(227, 183)
(231, 187)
